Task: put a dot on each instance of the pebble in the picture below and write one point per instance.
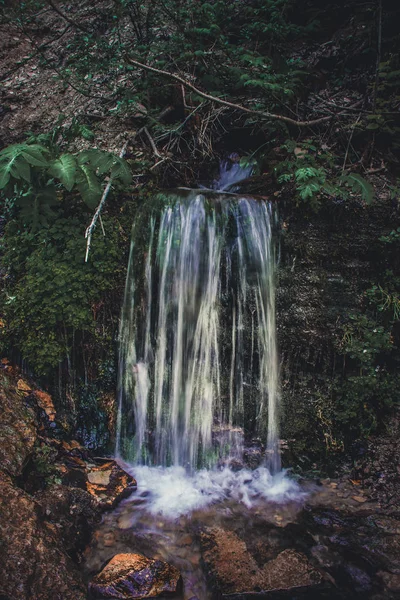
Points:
(360, 499)
(109, 539)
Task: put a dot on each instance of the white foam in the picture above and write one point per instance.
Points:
(172, 492)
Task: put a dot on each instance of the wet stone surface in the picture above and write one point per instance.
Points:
(325, 547)
(129, 576)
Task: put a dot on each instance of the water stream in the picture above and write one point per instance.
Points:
(198, 362)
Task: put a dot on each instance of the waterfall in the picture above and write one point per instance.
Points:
(198, 365)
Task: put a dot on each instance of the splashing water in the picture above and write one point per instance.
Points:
(171, 492)
(231, 173)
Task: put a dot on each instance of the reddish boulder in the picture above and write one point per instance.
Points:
(232, 569)
(33, 563)
(109, 483)
(129, 576)
(18, 427)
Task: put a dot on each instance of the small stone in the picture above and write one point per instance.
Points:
(99, 477)
(46, 403)
(360, 499)
(109, 539)
(22, 386)
(186, 540)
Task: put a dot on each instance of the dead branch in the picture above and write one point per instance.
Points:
(349, 142)
(265, 115)
(152, 143)
(96, 216)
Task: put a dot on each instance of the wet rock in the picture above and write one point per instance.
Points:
(104, 479)
(391, 580)
(227, 560)
(45, 402)
(360, 580)
(232, 569)
(74, 513)
(44, 527)
(32, 562)
(290, 569)
(129, 576)
(18, 427)
(109, 484)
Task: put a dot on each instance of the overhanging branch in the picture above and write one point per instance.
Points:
(250, 111)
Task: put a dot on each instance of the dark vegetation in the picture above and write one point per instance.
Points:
(307, 91)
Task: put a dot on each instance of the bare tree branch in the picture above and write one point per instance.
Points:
(152, 143)
(259, 113)
(96, 216)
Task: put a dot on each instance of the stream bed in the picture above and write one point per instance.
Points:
(246, 534)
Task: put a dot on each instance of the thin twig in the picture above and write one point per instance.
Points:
(96, 216)
(102, 226)
(152, 143)
(349, 142)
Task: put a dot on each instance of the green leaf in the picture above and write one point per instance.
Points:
(15, 161)
(100, 161)
(360, 185)
(20, 169)
(89, 186)
(34, 154)
(64, 169)
(121, 171)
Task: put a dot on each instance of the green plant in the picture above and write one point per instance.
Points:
(370, 390)
(392, 238)
(32, 175)
(311, 171)
(52, 303)
(43, 460)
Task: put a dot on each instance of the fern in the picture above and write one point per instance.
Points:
(306, 173)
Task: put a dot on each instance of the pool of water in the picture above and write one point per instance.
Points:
(164, 517)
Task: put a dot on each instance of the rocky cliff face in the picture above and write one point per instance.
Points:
(52, 493)
(327, 264)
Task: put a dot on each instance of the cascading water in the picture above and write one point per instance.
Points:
(198, 361)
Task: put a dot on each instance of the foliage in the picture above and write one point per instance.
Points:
(393, 237)
(52, 304)
(310, 170)
(371, 388)
(31, 174)
(60, 314)
(43, 460)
